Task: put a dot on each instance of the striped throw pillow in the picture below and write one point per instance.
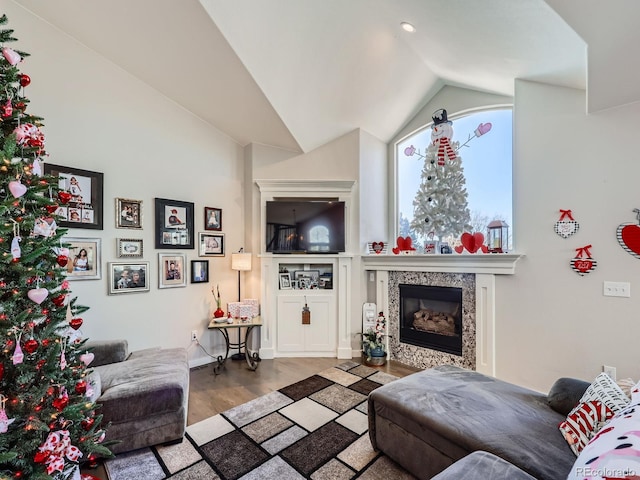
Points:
(583, 423)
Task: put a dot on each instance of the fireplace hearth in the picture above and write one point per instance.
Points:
(431, 317)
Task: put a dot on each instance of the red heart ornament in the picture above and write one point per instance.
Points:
(64, 197)
(51, 208)
(582, 266)
(628, 235)
(41, 457)
(459, 249)
(58, 301)
(472, 242)
(62, 260)
(377, 246)
(75, 323)
(31, 345)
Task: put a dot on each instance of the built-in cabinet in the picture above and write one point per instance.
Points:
(293, 284)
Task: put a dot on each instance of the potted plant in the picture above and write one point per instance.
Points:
(373, 342)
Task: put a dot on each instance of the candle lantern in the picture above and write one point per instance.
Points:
(498, 233)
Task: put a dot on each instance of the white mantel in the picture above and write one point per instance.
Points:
(490, 263)
(484, 266)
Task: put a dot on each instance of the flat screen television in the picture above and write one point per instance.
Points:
(305, 226)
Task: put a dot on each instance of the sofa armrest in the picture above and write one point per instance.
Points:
(108, 351)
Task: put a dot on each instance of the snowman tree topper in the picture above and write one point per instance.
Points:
(441, 134)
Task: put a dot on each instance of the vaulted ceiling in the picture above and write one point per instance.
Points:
(297, 74)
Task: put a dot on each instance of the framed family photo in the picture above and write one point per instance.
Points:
(129, 277)
(84, 258)
(80, 196)
(129, 247)
(285, 280)
(128, 213)
(174, 224)
(212, 218)
(199, 271)
(172, 270)
(211, 244)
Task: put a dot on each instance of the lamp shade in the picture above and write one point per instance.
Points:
(241, 261)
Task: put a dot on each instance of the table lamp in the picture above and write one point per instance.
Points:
(240, 261)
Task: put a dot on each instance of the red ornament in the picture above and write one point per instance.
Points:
(472, 243)
(64, 197)
(18, 474)
(40, 364)
(41, 457)
(31, 345)
(81, 387)
(52, 208)
(87, 423)
(58, 300)
(75, 323)
(7, 109)
(25, 80)
(60, 403)
(45, 342)
(21, 106)
(62, 260)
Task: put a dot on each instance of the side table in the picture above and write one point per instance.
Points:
(223, 328)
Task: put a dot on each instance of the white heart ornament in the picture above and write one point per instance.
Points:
(17, 189)
(38, 295)
(87, 358)
(566, 228)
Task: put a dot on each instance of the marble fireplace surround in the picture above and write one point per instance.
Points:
(475, 274)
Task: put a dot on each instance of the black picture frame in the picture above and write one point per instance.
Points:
(212, 219)
(174, 224)
(199, 271)
(81, 196)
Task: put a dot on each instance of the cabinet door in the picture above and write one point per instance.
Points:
(320, 334)
(290, 332)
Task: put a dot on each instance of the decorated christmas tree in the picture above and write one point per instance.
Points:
(48, 421)
(440, 206)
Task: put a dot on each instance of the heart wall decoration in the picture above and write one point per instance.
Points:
(583, 263)
(628, 235)
(566, 225)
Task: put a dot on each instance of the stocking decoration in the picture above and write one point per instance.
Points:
(566, 226)
(628, 235)
(18, 356)
(4, 420)
(582, 263)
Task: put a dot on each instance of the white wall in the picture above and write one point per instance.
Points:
(551, 322)
(98, 117)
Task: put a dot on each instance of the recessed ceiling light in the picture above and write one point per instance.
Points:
(407, 27)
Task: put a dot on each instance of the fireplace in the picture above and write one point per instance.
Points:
(431, 317)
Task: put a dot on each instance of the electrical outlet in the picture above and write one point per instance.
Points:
(194, 335)
(611, 371)
(616, 289)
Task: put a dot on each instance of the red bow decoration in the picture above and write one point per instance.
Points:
(444, 148)
(582, 251)
(57, 446)
(566, 213)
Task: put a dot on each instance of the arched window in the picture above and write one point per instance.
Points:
(443, 191)
(319, 238)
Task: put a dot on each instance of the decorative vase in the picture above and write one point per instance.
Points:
(218, 313)
(376, 356)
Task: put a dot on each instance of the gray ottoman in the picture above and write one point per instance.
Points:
(482, 466)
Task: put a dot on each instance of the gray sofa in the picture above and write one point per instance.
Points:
(143, 395)
(432, 419)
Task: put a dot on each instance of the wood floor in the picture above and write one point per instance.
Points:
(210, 394)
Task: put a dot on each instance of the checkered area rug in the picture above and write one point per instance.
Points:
(314, 429)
